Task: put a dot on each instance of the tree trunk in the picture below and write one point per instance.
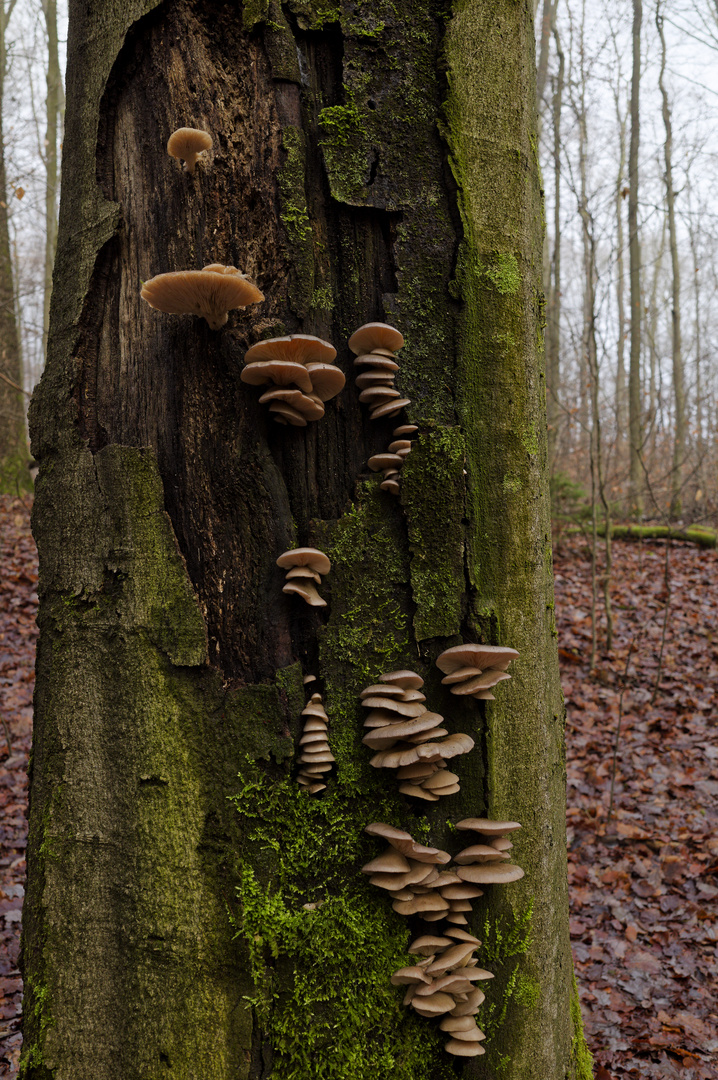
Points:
(13, 440)
(635, 417)
(53, 112)
(553, 305)
(621, 410)
(170, 851)
(679, 395)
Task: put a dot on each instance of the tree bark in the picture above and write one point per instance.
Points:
(635, 416)
(13, 440)
(621, 402)
(553, 305)
(170, 851)
(54, 104)
(679, 395)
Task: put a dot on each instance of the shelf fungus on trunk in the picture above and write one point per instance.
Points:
(186, 144)
(305, 567)
(485, 863)
(442, 981)
(410, 738)
(390, 463)
(300, 374)
(315, 759)
(211, 293)
(375, 346)
(471, 670)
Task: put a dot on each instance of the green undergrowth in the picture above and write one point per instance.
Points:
(582, 1056)
(323, 995)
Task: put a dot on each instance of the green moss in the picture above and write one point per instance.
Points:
(253, 12)
(323, 994)
(38, 1011)
(500, 270)
(435, 468)
(295, 216)
(505, 939)
(323, 299)
(346, 148)
(315, 14)
(280, 45)
(512, 485)
(530, 441)
(582, 1057)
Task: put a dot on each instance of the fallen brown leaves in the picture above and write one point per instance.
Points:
(18, 605)
(644, 918)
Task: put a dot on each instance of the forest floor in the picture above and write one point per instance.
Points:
(644, 917)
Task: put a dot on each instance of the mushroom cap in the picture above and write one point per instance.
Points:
(407, 975)
(420, 770)
(305, 556)
(405, 429)
(388, 832)
(453, 957)
(501, 843)
(327, 380)
(185, 143)
(448, 748)
(428, 945)
(435, 1005)
(461, 935)
(286, 414)
(383, 461)
(425, 736)
(401, 708)
(304, 572)
(384, 691)
(479, 656)
(378, 395)
(373, 377)
(464, 1049)
(418, 792)
(208, 293)
(390, 861)
(487, 826)
(308, 407)
(443, 778)
(296, 348)
(479, 853)
(457, 1023)
(279, 372)
(391, 408)
(448, 984)
(488, 677)
(460, 675)
(399, 444)
(375, 335)
(488, 874)
(306, 590)
(408, 680)
(464, 891)
(379, 364)
(428, 902)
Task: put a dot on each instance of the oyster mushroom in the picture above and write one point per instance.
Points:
(211, 293)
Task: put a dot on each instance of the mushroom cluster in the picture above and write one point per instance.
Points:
(390, 462)
(305, 567)
(441, 983)
(410, 738)
(486, 863)
(316, 758)
(375, 346)
(473, 669)
(299, 372)
(211, 292)
(186, 144)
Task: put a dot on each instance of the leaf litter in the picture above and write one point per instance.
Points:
(643, 887)
(644, 917)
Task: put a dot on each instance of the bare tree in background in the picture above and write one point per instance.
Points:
(54, 107)
(634, 256)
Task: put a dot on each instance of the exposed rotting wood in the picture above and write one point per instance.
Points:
(340, 183)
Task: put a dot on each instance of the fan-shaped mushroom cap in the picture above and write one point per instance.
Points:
(405, 429)
(479, 656)
(453, 957)
(306, 590)
(304, 572)
(487, 826)
(408, 680)
(425, 736)
(472, 1004)
(373, 377)
(428, 945)
(501, 843)
(401, 708)
(421, 770)
(459, 675)
(464, 1049)
(388, 832)
(186, 143)
(418, 792)
(441, 779)
(377, 395)
(435, 1005)
(296, 348)
(457, 917)
(487, 678)
(390, 861)
(479, 853)
(285, 414)
(309, 408)
(315, 723)
(327, 380)
(408, 975)
(429, 902)
(390, 409)
(457, 1023)
(486, 874)
(463, 891)
(448, 984)
(376, 335)
(383, 461)
(448, 748)
(468, 1035)
(305, 556)
(279, 372)
(461, 935)
(384, 691)
(390, 485)
(208, 293)
(379, 364)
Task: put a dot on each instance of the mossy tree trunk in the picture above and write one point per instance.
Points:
(372, 162)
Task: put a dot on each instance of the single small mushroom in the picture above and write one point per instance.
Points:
(464, 1049)
(210, 293)
(311, 560)
(376, 335)
(186, 144)
(488, 874)
(487, 826)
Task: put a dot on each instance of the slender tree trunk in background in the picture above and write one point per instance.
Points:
(53, 111)
(654, 416)
(170, 663)
(547, 21)
(553, 306)
(700, 441)
(13, 441)
(635, 417)
(679, 403)
(621, 394)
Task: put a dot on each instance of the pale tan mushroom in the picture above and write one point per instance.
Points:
(376, 335)
(305, 556)
(208, 293)
(186, 144)
(295, 348)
